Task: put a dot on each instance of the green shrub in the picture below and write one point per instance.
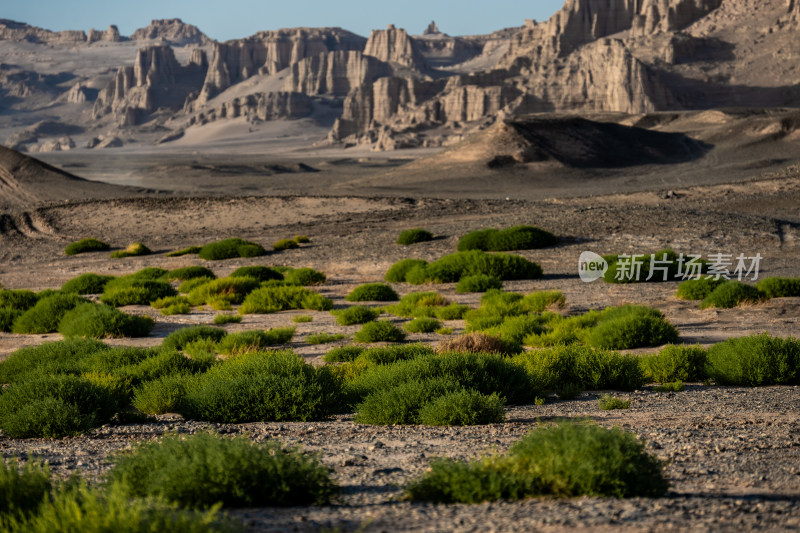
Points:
(161, 395)
(516, 238)
(453, 267)
(163, 303)
(304, 277)
(397, 272)
(422, 325)
(675, 363)
(221, 319)
(7, 318)
(302, 319)
(675, 386)
(206, 469)
(697, 289)
(418, 304)
(86, 245)
(463, 408)
(731, 294)
(230, 248)
(158, 363)
(261, 273)
(754, 361)
(373, 292)
(177, 308)
(190, 284)
(132, 250)
(101, 321)
(230, 290)
(285, 244)
(274, 299)
(301, 239)
(611, 403)
(48, 358)
(385, 355)
(402, 403)
(86, 284)
(451, 312)
(355, 315)
(262, 386)
(22, 489)
(631, 326)
(563, 460)
(203, 349)
(379, 331)
(413, 236)
(149, 273)
(343, 354)
(54, 406)
(478, 283)
(19, 300)
(252, 341)
(135, 291)
(46, 314)
(178, 339)
(187, 273)
(324, 338)
(191, 250)
(779, 287)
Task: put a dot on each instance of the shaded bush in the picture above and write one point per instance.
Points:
(161, 395)
(48, 358)
(189, 285)
(631, 327)
(697, 289)
(230, 248)
(88, 283)
(343, 354)
(7, 318)
(732, 294)
(274, 299)
(379, 331)
(515, 238)
(252, 341)
(132, 250)
(478, 283)
(177, 340)
(206, 469)
(675, 363)
(324, 338)
(304, 276)
(230, 290)
(101, 321)
(355, 315)
(384, 355)
(150, 273)
(401, 403)
(301, 239)
(86, 245)
(422, 325)
(22, 489)
(373, 292)
(19, 300)
(191, 250)
(261, 273)
(397, 272)
(285, 244)
(754, 361)
(221, 319)
(190, 272)
(135, 291)
(564, 460)
(413, 236)
(779, 287)
(463, 408)
(46, 314)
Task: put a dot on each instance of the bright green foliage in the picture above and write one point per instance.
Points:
(343, 354)
(675, 363)
(413, 236)
(101, 321)
(697, 289)
(397, 272)
(478, 283)
(285, 244)
(88, 283)
(563, 460)
(304, 277)
(231, 290)
(177, 308)
(45, 316)
(373, 292)
(135, 290)
(190, 272)
(262, 386)
(190, 284)
(355, 315)
(732, 294)
(611, 403)
(22, 489)
(274, 299)
(379, 331)
(463, 408)
(675, 386)
(206, 469)
(302, 319)
(516, 238)
(631, 326)
(19, 300)
(161, 395)
(324, 338)
(422, 325)
(779, 287)
(48, 358)
(253, 340)
(157, 363)
(453, 267)
(7, 318)
(178, 339)
(132, 250)
(191, 250)
(754, 361)
(401, 403)
(230, 248)
(451, 312)
(261, 273)
(221, 319)
(162, 303)
(86, 245)
(202, 349)
(418, 304)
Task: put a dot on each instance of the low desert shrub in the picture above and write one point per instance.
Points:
(161, 395)
(563, 460)
(261, 273)
(150, 273)
(385, 355)
(301, 239)
(631, 326)
(416, 304)
(779, 287)
(158, 363)
(7, 318)
(178, 339)
(463, 408)
(88, 283)
(402, 403)
(90, 320)
(675, 363)
(516, 238)
(22, 488)
(203, 349)
(324, 338)
(230, 248)
(230, 290)
(422, 325)
(343, 354)
(285, 244)
(86, 245)
(190, 284)
(162, 303)
(207, 469)
(274, 299)
(732, 294)
(356, 314)
(754, 361)
(135, 291)
(608, 402)
(187, 273)
(191, 250)
(373, 292)
(302, 319)
(477, 343)
(451, 268)
(19, 300)
(48, 358)
(675, 386)
(304, 277)
(413, 236)
(478, 283)
(379, 331)
(132, 250)
(222, 318)
(697, 289)
(451, 312)
(45, 316)
(397, 272)
(253, 340)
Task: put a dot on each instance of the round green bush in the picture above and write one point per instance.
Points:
(754, 361)
(251, 341)
(285, 244)
(398, 271)
(275, 299)
(516, 238)
(161, 395)
(630, 327)
(207, 469)
(261, 273)
(233, 290)
(676, 363)
(135, 291)
(478, 283)
(413, 236)
(304, 277)
(148, 273)
(230, 248)
(373, 292)
(422, 324)
(779, 287)
(95, 321)
(88, 283)
(178, 339)
(86, 245)
(356, 314)
(187, 273)
(401, 403)
(132, 250)
(46, 314)
(19, 300)
(732, 294)
(451, 268)
(191, 250)
(697, 289)
(343, 354)
(463, 408)
(379, 331)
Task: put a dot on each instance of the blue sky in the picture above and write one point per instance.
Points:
(231, 19)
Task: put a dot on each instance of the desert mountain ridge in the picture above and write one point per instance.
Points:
(168, 82)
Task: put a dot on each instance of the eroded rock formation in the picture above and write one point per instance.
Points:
(19, 31)
(334, 73)
(173, 31)
(261, 106)
(394, 45)
(111, 35)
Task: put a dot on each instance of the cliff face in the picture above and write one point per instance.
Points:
(394, 45)
(173, 31)
(262, 106)
(334, 73)
(111, 35)
(18, 31)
